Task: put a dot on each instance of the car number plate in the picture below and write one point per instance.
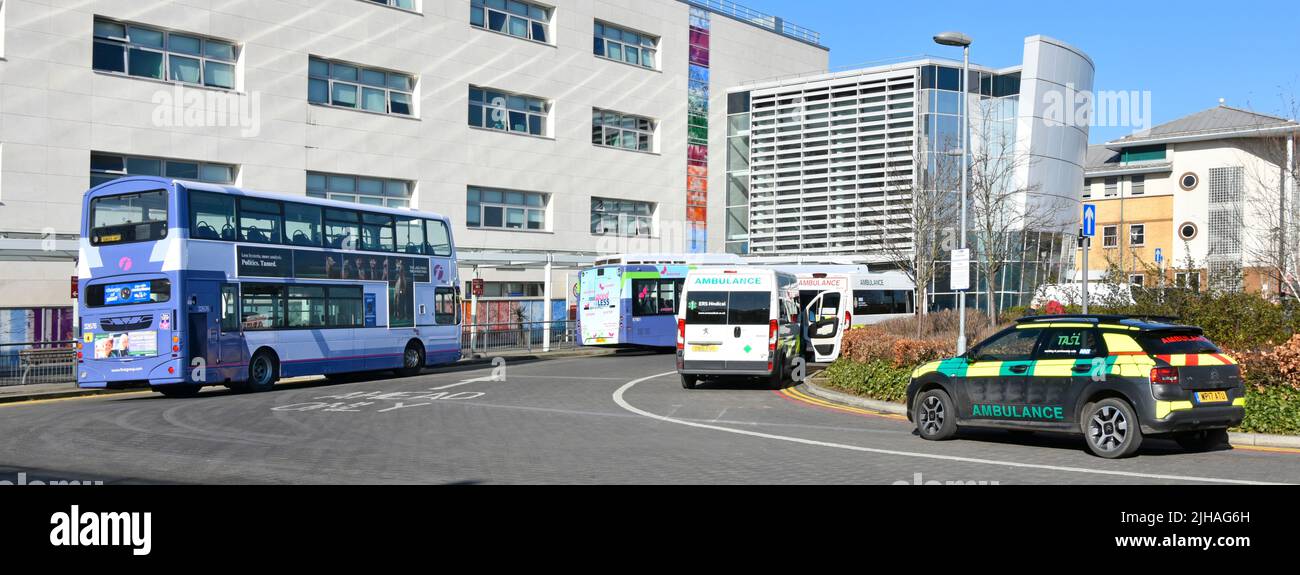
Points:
(1212, 396)
(704, 348)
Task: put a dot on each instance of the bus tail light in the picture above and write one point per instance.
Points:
(848, 320)
(681, 334)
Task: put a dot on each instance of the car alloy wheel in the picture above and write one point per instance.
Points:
(1108, 428)
(932, 415)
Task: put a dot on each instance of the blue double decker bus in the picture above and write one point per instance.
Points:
(184, 285)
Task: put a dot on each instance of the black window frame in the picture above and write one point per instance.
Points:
(1098, 349)
(319, 224)
(380, 222)
(658, 284)
(233, 216)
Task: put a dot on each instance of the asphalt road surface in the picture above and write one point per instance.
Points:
(603, 420)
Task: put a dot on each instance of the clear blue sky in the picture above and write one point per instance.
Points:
(1187, 54)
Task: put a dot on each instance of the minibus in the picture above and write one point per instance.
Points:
(739, 322)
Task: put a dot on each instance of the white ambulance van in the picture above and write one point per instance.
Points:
(738, 322)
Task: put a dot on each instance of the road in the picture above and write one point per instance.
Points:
(604, 420)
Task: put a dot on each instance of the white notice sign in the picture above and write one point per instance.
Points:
(960, 270)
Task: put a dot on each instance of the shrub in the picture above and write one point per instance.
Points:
(876, 379)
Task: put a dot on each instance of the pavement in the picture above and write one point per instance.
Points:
(621, 419)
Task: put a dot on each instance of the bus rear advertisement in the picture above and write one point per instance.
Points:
(184, 285)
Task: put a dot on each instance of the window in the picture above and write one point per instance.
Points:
(615, 130)
(108, 167)
(622, 218)
(1189, 181)
(655, 297)
(260, 221)
(343, 85)
(403, 4)
(345, 305)
(1068, 343)
(1137, 235)
(1112, 187)
(1087, 188)
(522, 19)
(498, 110)
(874, 302)
(1110, 236)
(410, 235)
(377, 233)
(749, 308)
(212, 216)
(136, 292)
(148, 52)
(262, 306)
(306, 306)
(229, 308)
(635, 48)
(706, 307)
(342, 229)
(1139, 185)
(126, 218)
(1137, 280)
(1188, 280)
(1017, 345)
(1188, 231)
(490, 208)
(360, 189)
(437, 238)
(446, 306)
(509, 289)
(302, 224)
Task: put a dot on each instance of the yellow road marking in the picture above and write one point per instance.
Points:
(1267, 449)
(74, 398)
(803, 398)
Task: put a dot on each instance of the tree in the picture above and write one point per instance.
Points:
(1270, 218)
(1001, 210)
(932, 217)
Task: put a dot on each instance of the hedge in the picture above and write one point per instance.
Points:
(876, 379)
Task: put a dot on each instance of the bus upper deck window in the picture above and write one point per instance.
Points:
(125, 218)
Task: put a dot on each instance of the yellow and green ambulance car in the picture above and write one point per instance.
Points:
(1114, 379)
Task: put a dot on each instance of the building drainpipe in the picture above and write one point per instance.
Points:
(473, 315)
(1288, 188)
(546, 306)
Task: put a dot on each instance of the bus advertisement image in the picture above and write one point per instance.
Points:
(184, 284)
(631, 305)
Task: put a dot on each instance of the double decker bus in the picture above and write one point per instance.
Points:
(184, 285)
(631, 300)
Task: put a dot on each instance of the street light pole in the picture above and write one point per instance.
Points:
(959, 39)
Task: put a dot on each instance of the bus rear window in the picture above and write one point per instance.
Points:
(128, 293)
(126, 218)
(1176, 343)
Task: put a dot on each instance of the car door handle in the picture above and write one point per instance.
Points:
(1082, 368)
(1019, 368)
(737, 332)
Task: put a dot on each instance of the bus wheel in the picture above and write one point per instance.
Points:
(412, 360)
(178, 390)
(263, 372)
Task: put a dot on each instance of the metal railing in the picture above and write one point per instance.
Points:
(38, 362)
(747, 14)
(528, 336)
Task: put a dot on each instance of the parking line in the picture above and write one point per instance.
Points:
(75, 398)
(622, 402)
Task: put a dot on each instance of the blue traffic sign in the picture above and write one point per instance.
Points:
(1090, 220)
(1160, 256)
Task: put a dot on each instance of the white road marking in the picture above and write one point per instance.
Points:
(466, 382)
(618, 398)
